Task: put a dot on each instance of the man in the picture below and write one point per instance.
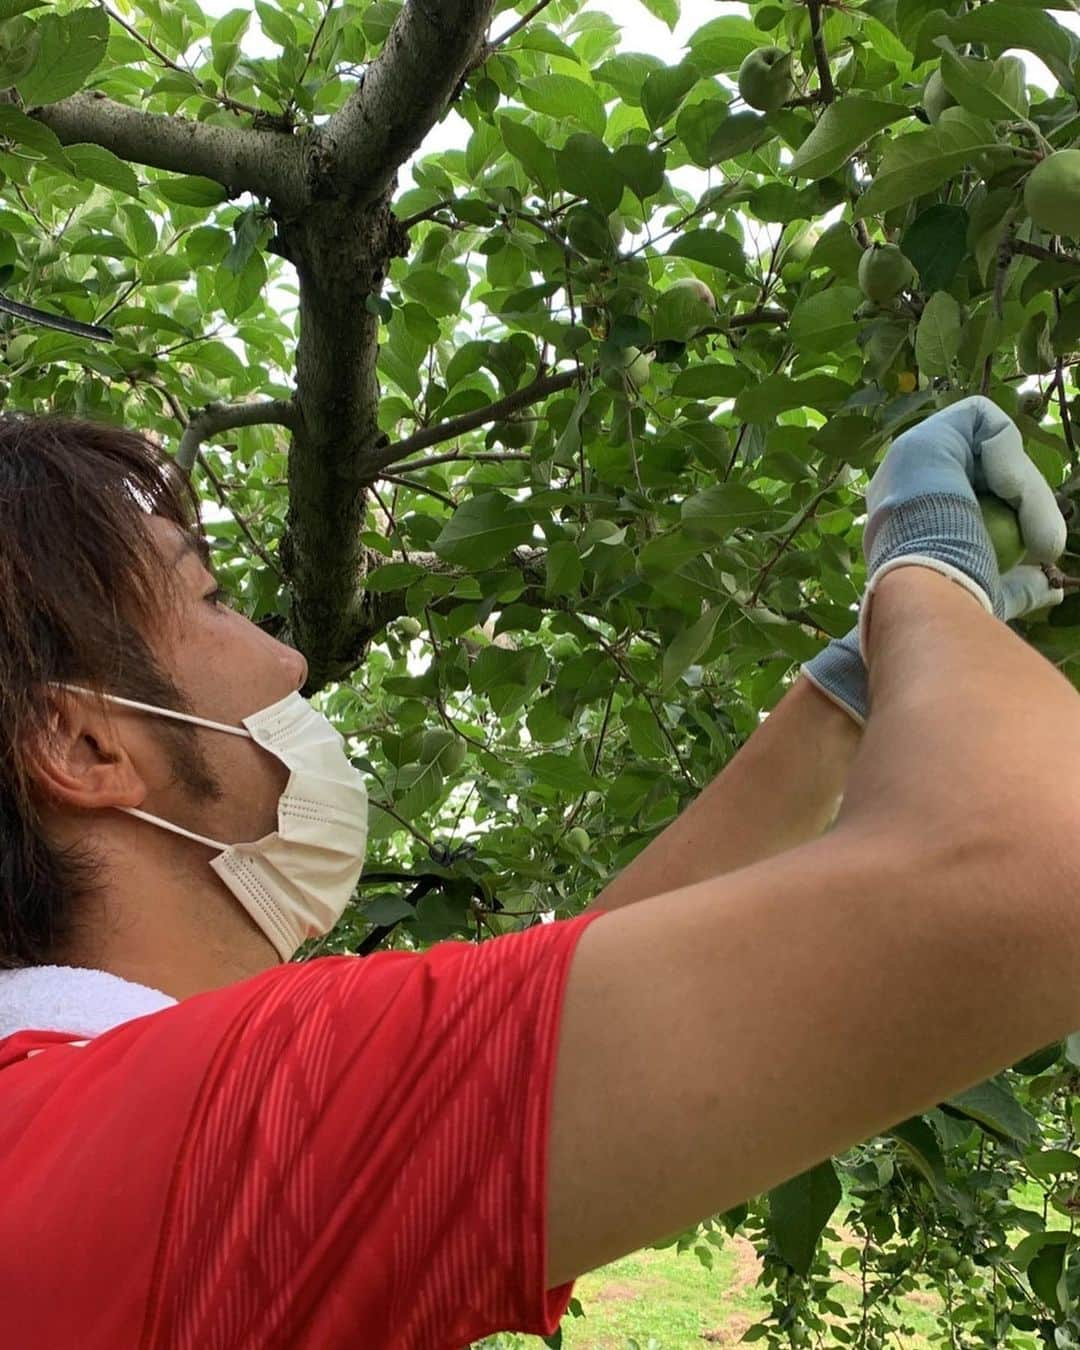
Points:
(203, 1144)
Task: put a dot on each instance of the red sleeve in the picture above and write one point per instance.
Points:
(366, 1161)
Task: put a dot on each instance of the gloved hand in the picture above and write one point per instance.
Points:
(838, 672)
(1027, 589)
(922, 506)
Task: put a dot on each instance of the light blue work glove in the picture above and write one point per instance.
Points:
(970, 445)
(838, 670)
(922, 506)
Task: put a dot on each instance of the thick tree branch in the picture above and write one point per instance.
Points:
(217, 417)
(457, 426)
(267, 163)
(404, 92)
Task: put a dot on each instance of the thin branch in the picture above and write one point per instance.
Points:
(1066, 416)
(223, 100)
(479, 458)
(421, 216)
(1001, 272)
(540, 389)
(216, 417)
(782, 548)
(419, 487)
(516, 28)
(315, 43)
(1043, 254)
(240, 519)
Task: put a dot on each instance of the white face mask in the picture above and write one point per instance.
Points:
(296, 882)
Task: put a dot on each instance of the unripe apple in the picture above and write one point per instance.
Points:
(1052, 193)
(578, 839)
(765, 78)
(409, 627)
(1031, 404)
(696, 288)
(884, 272)
(936, 98)
(634, 365)
(1003, 527)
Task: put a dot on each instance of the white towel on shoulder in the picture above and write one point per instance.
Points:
(72, 999)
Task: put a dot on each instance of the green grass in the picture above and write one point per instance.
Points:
(674, 1302)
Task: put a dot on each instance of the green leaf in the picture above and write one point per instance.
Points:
(761, 402)
(843, 127)
(665, 89)
(564, 569)
(587, 169)
(439, 291)
(394, 576)
(566, 99)
(277, 26)
(717, 248)
(536, 158)
(71, 46)
(642, 169)
(687, 647)
(483, 530)
(826, 321)
(722, 508)
(711, 379)
(799, 1211)
(565, 772)
(665, 10)
(191, 191)
(922, 1149)
(627, 72)
(386, 909)
(15, 126)
(916, 164)
(722, 45)
(680, 315)
(238, 291)
(1046, 1275)
(994, 1107)
(936, 242)
(937, 338)
(1002, 26)
(98, 165)
(978, 87)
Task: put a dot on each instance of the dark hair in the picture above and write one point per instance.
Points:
(82, 588)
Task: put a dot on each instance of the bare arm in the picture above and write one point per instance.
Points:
(721, 1038)
(782, 789)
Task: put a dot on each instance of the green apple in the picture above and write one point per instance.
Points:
(936, 98)
(1052, 193)
(578, 839)
(884, 272)
(409, 627)
(633, 366)
(947, 1256)
(1003, 527)
(696, 288)
(765, 78)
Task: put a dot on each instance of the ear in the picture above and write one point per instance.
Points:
(83, 758)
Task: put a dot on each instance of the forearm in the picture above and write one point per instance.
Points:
(782, 789)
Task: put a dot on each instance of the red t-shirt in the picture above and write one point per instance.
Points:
(340, 1153)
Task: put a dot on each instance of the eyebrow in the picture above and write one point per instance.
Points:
(190, 543)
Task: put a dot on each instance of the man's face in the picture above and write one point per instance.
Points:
(227, 668)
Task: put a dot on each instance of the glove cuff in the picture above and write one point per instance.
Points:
(838, 673)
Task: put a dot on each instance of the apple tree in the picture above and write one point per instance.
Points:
(549, 455)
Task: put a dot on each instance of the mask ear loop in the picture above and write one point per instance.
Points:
(161, 712)
(174, 829)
